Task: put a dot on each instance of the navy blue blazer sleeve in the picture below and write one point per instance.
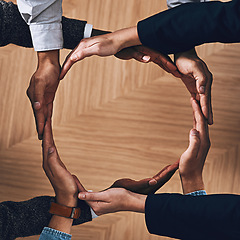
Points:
(191, 24)
(194, 217)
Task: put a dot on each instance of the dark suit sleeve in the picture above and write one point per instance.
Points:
(13, 28)
(27, 218)
(191, 24)
(194, 217)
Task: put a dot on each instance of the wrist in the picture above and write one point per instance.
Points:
(188, 54)
(192, 183)
(68, 201)
(136, 202)
(127, 37)
(48, 57)
(61, 224)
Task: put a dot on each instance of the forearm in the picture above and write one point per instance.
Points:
(136, 202)
(204, 217)
(170, 31)
(27, 218)
(13, 29)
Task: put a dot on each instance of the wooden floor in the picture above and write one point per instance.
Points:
(115, 119)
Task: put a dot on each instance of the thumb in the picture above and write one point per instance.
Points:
(92, 196)
(79, 185)
(194, 143)
(66, 66)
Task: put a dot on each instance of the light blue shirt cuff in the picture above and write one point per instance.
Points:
(198, 193)
(53, 234)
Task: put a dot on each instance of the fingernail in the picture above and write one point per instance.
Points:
(194, 132)
(74, 57)
(81, 195)
(152, 182)
(146, 58)
(36, 104)
(202, 89)
(50, 150)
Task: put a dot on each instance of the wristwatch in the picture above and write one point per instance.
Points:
(64, 211)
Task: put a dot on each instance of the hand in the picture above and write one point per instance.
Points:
(104, 45)
(147, 185)
(198, 80)
(114, 200)
(42, 88)
(192, 160)
(63, 182)
(144, 54)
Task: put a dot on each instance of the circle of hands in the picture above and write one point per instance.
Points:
(123, 194)
(127, 194)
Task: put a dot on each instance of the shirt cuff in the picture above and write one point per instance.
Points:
(47, 37)
(88, 31)
(53, 234)
(94, 215)
(198, 193)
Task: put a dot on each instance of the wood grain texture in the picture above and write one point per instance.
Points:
(115, 119)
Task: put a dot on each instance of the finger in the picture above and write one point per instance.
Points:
(79, 185)
(201, 125)
(210, 114)
(165, 174)
(48, 140)
(203, 83)
(54, 163)
(38, 106)
(66, 66)
(194, 121)
(209, 94)
(49, 111)
(194, 143)
(140, 57)
(92, 196)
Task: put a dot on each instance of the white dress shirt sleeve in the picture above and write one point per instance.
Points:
(44, 19)
(175, 3)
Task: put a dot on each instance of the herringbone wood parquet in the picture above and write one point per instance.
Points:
(115, 119)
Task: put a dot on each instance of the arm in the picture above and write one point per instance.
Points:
(194, 70)
(213, 22)
(64, 185)
(193, 159)
(15, 30)
(187, 217)
(175, 3)
(28, 218)
(44, 20)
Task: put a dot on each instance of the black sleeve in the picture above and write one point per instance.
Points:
(206, 217)
(13, 28)
(27, 218)
(181, 28)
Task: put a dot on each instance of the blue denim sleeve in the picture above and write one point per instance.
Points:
(52, 234)
(198, 193)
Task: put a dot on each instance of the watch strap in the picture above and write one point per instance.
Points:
(64, 211)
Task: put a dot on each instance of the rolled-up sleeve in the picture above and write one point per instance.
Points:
(44, 19)
(175, 3)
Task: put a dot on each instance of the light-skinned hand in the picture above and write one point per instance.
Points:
(126, 194)
(120, 44)
(114, 200)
